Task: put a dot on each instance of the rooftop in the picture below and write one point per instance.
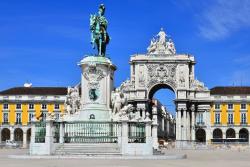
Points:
(35, 91)
(230, 90)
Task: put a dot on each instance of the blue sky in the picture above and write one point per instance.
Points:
(42, 41)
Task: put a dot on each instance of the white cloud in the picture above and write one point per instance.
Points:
(224, 17)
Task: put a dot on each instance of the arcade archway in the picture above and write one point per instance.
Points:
(244, 134)
(18, 135)
(162, 97)
(230, 133)
(165, 94)
(200, 135)
(217, 133)
(5, 134)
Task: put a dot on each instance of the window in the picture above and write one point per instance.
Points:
(18, 118)
(243, 106)
(5, 117)
(57, 116)
(243, 118)
(5, 106)
(230, 106)
(44, 106)
(31, 115)
(31, 106)
(44, 116)
(57, 106)
(18, 106)
(217, 106)
(217, 118)
(230, 118)
(200, 118)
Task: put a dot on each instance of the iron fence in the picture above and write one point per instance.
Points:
(40, 132)
(136, 132)
(91, 132)
(56, 132)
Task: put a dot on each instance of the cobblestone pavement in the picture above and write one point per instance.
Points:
(196, 158)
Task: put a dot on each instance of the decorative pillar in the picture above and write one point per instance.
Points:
(178, 126)
(25, 138)
(155, 128)
(184, 137)
(124, 136)
(33, 132)
(49, 136)
(62, 127)
(192, 124)
(188, 126)
(11, 134)
(148, 131)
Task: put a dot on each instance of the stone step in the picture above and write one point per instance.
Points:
(88, 149)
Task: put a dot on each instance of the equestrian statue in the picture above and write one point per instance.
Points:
(98, 28)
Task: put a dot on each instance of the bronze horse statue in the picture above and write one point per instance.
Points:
(98, 28)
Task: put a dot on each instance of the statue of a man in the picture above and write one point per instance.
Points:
(98, 28)
(162, 37)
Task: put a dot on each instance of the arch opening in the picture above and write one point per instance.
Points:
(18, 135)
(5, 134)
(244, 135)
(217, 134)
(230, 133)
(200, 135)
(162, 97)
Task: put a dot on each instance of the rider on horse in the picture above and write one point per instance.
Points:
(98, 27)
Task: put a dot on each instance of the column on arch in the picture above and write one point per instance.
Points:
(184, 123)
(178, 125)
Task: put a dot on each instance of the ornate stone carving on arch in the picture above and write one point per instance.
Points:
(161, 74)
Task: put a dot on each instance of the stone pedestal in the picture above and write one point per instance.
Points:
(96, 87)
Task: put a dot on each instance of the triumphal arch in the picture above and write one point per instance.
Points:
(162, 67)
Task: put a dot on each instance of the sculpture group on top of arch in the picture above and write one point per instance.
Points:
(160, 44)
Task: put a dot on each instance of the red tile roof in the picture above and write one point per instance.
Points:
(230, 90)
(35, 91)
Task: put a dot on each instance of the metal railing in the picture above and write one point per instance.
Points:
(56, 132)
(40, 132)
(91, 132)
(136, 132)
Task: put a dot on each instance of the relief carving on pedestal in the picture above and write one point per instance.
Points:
(93, 75)
(162, 74)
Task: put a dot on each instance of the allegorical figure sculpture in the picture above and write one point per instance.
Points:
(98, 28)
(72, 102)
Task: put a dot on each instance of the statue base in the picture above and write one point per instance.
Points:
(96, 87)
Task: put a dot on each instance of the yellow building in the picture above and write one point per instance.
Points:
(19, 105)
(230, 114)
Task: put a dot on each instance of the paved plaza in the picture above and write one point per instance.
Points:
(195, 158)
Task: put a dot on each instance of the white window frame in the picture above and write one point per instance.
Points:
(55, 106)
(217, 104)
(241, 117)
(241, 106)
(20, 118)
(4, 106)
(33, 106)
(216, 119)
(30, 120)
(20, 106)
(230, 108)
(8, 118)
(228, 120)
(45, 107)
